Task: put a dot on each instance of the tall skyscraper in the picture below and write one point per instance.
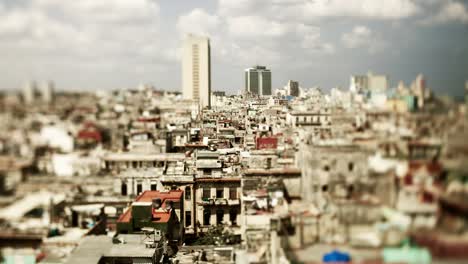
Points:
(258, 80)
(293, 88)
(196, 69)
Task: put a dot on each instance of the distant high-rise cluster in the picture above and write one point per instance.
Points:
(196, 69)
(375, 89)
(369, 83)
(31, 92)
(258, 80)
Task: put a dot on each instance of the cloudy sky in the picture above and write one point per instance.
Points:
(107, 44)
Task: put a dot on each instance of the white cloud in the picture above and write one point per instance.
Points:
(311, 40)
(34, 29)
(358, 37)
(81, 28)
(294, 25)
(256, 54)
(111, 11)
(198, 21)
(255, 27)
(14, 22)
(363, 37)
(242, 7)
(388, 9)
(312, 10)
(238, 26)
(452, 12)
(83, 42)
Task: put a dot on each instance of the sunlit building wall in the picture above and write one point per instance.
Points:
(196, 69)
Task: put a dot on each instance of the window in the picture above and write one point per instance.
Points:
(219, 216)
(188, 218)
(188, 193)
(219, 193)
(350, 166)
(206, 217)
(350, 190)
(206, 193)
(326, 168)
(139, 188)
(233, 193)
(123, 189)
(153, 186)
(324, 188)
(135, 164)
(206, 171)
(233, 216)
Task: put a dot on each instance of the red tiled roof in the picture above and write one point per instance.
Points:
(161, 217)
(148, 196)
(89, 134)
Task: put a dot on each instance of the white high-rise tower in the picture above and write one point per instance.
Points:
(196, 69)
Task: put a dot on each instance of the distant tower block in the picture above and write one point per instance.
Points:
(293, 88)
(420, 90)
(29, 92)
(369, 83)
(196, 69)
(47, 92)
(258, 80)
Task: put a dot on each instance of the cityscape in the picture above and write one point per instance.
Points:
(278, 170)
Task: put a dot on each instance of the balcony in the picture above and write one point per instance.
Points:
(206, 201)
(219, 201)
(233, 202)
(177, 178)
